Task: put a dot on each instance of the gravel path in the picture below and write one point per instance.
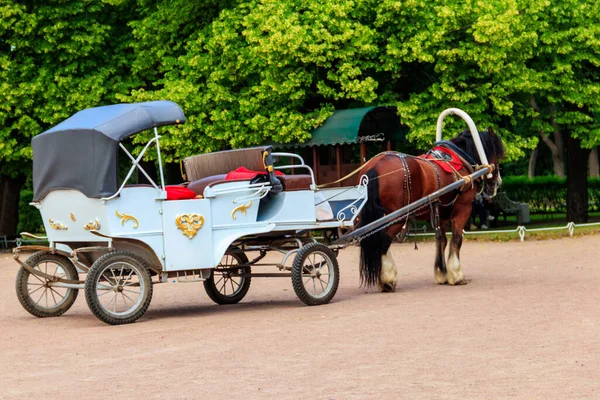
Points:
(527, 326)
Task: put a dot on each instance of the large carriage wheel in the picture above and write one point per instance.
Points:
(222, 286)
(118, 288)
(34, 293)
(315, 274)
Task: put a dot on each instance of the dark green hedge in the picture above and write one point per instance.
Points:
(30, 219)
(546, 194)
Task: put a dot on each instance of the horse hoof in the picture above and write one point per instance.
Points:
(388, 287)
(459, 283)
(440, 278)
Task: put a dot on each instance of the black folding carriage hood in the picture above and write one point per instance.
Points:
(81, 152)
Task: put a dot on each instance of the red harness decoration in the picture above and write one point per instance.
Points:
(243, 173)
(446, 165)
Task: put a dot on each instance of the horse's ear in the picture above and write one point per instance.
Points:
(491, 131)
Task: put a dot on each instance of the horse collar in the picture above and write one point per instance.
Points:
(454, 148)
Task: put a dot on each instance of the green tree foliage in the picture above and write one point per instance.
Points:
(565, 68)
(249, 72)
(56, 58)
(269, 71)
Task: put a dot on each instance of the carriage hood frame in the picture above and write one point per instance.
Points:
(82, 152)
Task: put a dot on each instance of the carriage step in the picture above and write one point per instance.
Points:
(191, 276)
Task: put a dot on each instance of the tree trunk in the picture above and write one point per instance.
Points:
(577, 184)
(558, 156)
(557, 146)
(594, 167)
(10, 193)
(532, 161)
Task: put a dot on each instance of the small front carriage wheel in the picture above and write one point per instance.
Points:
(35, 293)
(118, 288)
(315, 274)
(225, 286)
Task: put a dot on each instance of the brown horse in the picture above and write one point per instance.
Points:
(396, 180)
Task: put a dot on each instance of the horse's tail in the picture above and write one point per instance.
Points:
(372, 247)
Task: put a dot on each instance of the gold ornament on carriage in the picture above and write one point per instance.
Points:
(57, 226)
(189, 224)
(241, 208)
(92, 225)
(126, 217)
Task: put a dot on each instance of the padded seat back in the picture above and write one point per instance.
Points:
(210, 164)
(206, 167)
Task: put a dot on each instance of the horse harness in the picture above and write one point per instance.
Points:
(435, 155)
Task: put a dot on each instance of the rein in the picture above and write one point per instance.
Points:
(466, 160)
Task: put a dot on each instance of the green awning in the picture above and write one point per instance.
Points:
(346, 126)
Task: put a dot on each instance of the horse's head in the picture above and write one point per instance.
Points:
(494, 151)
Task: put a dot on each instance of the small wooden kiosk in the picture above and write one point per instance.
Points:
(347, 139)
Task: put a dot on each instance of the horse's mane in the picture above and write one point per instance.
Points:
(492, 144)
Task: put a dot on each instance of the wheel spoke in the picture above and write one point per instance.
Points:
(61, 296)
(224, 288)
(124, 295)
(40, 299)
(110, 301)
(121, 275)
(53, 298)
(103, 287)
(41, 287)
(107, 279)
(125, 301)
(112, 272)
(131, 291)
(322, 287)
(125, 282)
(232, 288)
(36, 277)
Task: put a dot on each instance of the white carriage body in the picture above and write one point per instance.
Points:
(142, 214)
(85, 210)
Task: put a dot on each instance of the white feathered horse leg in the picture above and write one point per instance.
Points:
(389, 273)
(454, 271)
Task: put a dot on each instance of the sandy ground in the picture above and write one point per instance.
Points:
(526, 326)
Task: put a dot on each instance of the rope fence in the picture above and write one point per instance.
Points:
(521, 230)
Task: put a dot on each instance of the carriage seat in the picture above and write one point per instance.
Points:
(295, 182)
(290, 182)
(201, 184)
(221, 162)
(206, 169)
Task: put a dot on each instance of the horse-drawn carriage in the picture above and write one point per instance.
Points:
(235, 209)
(128, 237)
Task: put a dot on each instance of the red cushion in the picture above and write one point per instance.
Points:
(245, 173)
(179, 193)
